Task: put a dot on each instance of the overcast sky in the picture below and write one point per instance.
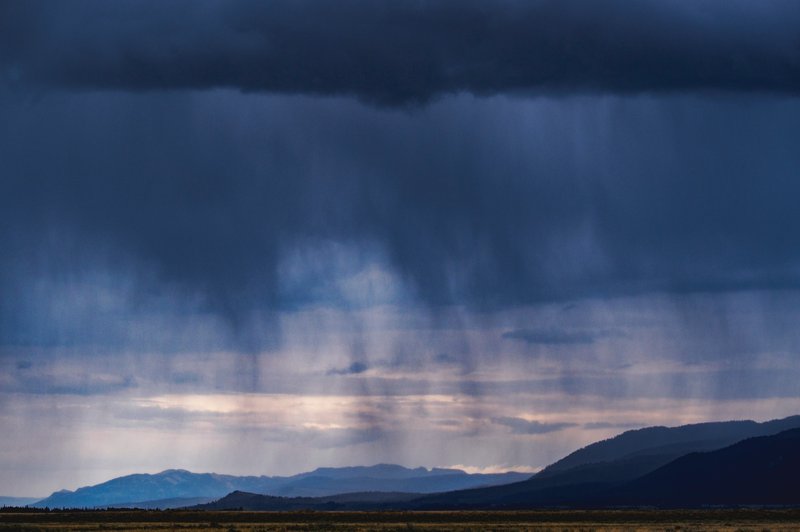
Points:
(259, 238)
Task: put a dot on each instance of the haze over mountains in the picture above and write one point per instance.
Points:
(723, 462)
(17, 501)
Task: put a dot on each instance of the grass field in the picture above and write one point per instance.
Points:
(607, 520)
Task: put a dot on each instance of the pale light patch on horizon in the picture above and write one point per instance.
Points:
(494, 469)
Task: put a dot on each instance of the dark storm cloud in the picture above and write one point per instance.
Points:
(402, 52)
(139, 217)
(120, 212)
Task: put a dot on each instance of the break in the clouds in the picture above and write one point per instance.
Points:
(406, 52)
(430, 233)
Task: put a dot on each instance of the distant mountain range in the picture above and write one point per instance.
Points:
(177, 488)
(725, 463)
(16, 501)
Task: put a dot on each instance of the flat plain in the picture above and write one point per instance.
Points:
(540, 520)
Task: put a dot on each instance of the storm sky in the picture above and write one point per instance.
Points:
(259, 238)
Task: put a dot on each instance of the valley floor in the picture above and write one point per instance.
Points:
(568, 520)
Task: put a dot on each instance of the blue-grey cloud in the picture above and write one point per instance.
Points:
(603, 425)
(400, 52)
(330, 437)
(555, 336)
(523, 426)
(446, 359)
(71, 384)
(353, 369)
(186, 377)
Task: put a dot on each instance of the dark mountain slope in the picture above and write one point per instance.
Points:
(760, 471)
(757, 471)
(674, 441)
